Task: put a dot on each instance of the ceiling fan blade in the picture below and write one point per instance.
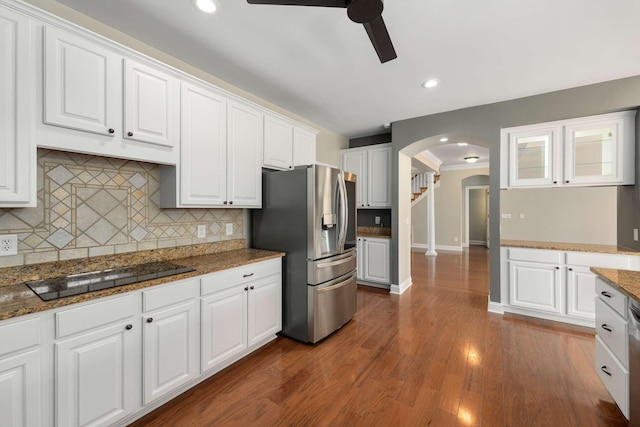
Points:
(380, 39)
(322, 3)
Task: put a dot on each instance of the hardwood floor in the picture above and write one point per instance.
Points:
(433, 356)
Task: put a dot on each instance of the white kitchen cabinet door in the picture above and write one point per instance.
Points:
(17, 145)
(593, 153)
(151, 105)
(378, 177)
(581, 290)
(224, 325)
(203, 149)
(278, 143)
(244, 155)
(535, 286)
(20, 401)
(264, 309)
(304, 147)
(361, 257)
(376, 261)
(82, 84)
(355, 161)
(170, 349)
(96, 375)
(533, 157)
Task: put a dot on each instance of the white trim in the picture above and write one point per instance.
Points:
(398, 290)
(465, 243)
(449, 248)
(550, 316)
(419, 246)
(494, 307)
(430, 157)
(476, 243)
(482, 165)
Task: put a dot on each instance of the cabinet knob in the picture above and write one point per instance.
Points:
(368, 204)
(246, 288)
(555, 182)
(150, 319)
(290, 167)
(557, 268)
(605, 370)
(129, 133)
(231, 202)
(252, 287)
(112, 130)
(129, 326)
(605, 294)
(606, 327)
(224, 203)
(567, 181)
(570, 269)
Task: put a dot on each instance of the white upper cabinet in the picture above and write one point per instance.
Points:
(286, 144)
(244, 155)
(151, 105)
(17, 145)
(372, 166)
(83, 84)
(596, 150)
(221, 153)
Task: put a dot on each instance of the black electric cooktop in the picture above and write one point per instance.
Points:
(76, 284)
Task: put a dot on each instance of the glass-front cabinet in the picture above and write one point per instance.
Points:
(588, 151)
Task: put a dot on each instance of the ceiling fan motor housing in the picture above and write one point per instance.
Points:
(362, 11)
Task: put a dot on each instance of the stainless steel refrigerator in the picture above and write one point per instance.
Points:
(310, 214)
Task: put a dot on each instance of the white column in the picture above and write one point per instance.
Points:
(431, 220)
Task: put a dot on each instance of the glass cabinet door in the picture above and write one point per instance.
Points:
(532, 155)
(591, 153)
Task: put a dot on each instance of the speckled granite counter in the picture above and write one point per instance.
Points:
(16, 299)
(570, 247)
(377, 232)
(625, 280)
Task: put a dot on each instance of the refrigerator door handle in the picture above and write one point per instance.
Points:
(344, 213)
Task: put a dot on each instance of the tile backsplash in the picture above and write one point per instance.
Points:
(90, 206)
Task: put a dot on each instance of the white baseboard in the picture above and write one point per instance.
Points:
(449, 248)
(494, 307)
(399, 289)
(478, 243)
(419, 246)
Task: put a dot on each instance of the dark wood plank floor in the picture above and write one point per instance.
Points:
(433, 356)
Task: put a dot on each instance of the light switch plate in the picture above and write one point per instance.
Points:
(635, 234)
(229, 229)
(377, 220)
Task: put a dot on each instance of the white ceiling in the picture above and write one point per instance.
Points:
(318, 64)
(451, 154)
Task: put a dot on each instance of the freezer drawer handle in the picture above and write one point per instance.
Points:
(336, 286)
(604, 369)
(331, 264)
(247, 275)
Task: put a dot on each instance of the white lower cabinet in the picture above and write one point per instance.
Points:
(20, 374)
(374, 258)
(97, 369)
(555, 285)
(241, 308)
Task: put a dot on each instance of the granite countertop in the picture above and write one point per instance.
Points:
(16, 299)
(624, 280)
(570, 247)
(375, 232)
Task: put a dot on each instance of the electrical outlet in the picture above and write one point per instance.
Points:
(377, 220)
(635, 234)
(8, 244)
(521, 216)
(202, 231)
(229, 229)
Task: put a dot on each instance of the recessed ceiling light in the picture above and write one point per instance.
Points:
(430, 83)
(471, 159)
(462, 143)
(444, 139)
(206, 6)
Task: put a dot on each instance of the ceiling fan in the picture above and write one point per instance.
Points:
(366, 12)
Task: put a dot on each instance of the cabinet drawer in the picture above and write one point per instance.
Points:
(18, 336)
(238, 275)
(536, 255)
(598, 260)
(168, 295)
(612, 329)
(94, 315)
(613, 375)
(614, 298)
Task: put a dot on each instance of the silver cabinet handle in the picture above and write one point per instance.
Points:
(333, 263)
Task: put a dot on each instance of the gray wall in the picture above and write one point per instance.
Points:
(367, 218)
(414, 135)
